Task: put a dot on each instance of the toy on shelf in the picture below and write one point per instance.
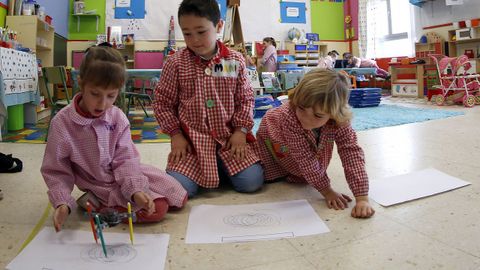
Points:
(456, 84)
(106, 218)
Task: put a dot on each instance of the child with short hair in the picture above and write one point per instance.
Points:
(329, 60)
(205, 103)
(89, 145)
(295, 141)
(269, 58)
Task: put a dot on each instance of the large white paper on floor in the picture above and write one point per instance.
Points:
(407, 187)
(252, 222)
(71, 250)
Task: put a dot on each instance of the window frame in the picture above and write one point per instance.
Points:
(390, 36)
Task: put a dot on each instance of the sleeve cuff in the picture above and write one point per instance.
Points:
(59, 198)
(133, 185)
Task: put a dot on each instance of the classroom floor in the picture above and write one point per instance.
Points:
(438, 232)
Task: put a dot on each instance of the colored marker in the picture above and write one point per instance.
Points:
(89, 211)
(99, 226)
(129, 208)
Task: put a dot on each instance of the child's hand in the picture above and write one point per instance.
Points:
(362, 208)
(59, 216)
(180, 147)
(334, 199)
(237, 144)
(144, 200)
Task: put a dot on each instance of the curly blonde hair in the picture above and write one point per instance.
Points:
(326, 90)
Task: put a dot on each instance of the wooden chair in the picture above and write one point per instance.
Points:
(56, 77)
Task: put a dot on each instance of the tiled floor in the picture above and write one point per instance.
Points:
(439, 232)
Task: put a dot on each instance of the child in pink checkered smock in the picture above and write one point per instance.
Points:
(89, 146)
(296, 140)
(204, 101)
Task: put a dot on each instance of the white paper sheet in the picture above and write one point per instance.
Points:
(407, 187)
(72, 250)
(252, 222)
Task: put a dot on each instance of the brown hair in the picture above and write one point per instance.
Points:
(103, 67)
(271, 40)
(326, 90)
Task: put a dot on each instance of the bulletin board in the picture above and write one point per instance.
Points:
(130, 9)
(327, 20)
(292, 12)
(259, 19)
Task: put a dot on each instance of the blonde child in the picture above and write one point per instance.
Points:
(89, 145)
(295, 140)
(205, 103)
(269, 58)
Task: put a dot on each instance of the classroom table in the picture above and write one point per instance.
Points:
(19, 83)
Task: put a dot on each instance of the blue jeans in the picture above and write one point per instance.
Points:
(246, 181)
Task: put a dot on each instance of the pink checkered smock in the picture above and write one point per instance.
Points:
(98, 155)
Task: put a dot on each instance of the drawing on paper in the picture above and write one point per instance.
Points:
(120, 253)
(252, 219)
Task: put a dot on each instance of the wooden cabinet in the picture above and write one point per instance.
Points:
(34, 34)
(407, 87)
(308, 55)
(423, 50)
(38, 36)
(469, 46)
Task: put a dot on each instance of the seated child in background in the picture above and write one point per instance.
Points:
(89, 145)
(329, 60)
(368, 63)
(295, 140)
(204, 101)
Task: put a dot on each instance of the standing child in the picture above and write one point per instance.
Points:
(269, 58)
(89, 145)
(205, 103)
(296, 140)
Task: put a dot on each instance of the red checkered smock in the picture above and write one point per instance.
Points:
(97, 154)
(288, 150)
(206, 100)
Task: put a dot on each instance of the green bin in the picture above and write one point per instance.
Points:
(15, 117)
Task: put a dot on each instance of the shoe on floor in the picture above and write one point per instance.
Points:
(418, 62)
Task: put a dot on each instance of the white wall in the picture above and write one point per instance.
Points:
(260, 18)
(437, 12)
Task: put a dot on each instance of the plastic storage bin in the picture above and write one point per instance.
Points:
(15, 117)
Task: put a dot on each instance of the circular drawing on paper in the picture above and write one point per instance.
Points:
(121, 253)
(252, 220)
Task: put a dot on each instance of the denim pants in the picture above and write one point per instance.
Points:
(246, 181)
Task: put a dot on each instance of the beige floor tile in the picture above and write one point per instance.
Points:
(438, 232)
(395, 248)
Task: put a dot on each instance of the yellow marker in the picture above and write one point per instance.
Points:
(129, 208)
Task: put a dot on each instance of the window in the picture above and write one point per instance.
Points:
(393, 31)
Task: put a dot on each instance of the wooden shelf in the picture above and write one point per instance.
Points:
(78, 16)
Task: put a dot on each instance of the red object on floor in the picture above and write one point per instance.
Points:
(432, 92)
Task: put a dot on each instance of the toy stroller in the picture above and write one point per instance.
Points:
(456, 84)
